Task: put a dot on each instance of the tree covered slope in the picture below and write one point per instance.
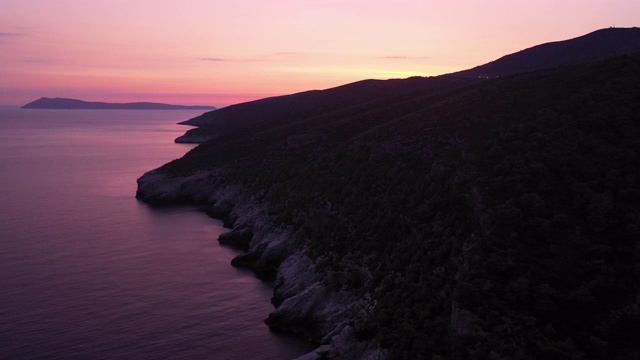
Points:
(498, 219)
(281, 109)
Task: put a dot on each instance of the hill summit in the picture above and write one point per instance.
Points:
(596, 45)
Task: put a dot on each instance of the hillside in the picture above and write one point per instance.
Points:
(494, 219)
(282, 109)
(64, 103)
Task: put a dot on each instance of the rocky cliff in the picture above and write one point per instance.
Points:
(304, 303)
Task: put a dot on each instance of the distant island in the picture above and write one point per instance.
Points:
(64, 103)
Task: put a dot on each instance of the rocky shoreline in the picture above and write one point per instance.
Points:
(305, 304)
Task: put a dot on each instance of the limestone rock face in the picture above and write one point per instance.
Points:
(158, 188)
(308, 307)
(304, 304)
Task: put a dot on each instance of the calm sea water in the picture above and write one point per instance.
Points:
(88, 272)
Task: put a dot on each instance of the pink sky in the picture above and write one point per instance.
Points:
(220, 52)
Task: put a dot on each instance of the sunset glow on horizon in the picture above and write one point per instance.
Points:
(223, 52)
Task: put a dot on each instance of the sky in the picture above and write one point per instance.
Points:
(222, 52)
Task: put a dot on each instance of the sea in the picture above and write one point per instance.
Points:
(89, 272)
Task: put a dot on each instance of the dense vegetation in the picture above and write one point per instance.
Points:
(490, 220)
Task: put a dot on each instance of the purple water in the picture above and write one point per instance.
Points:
(88, 272)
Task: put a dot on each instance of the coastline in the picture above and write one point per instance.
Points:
(304, 303)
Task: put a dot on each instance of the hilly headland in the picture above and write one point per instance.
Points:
(492, 213)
